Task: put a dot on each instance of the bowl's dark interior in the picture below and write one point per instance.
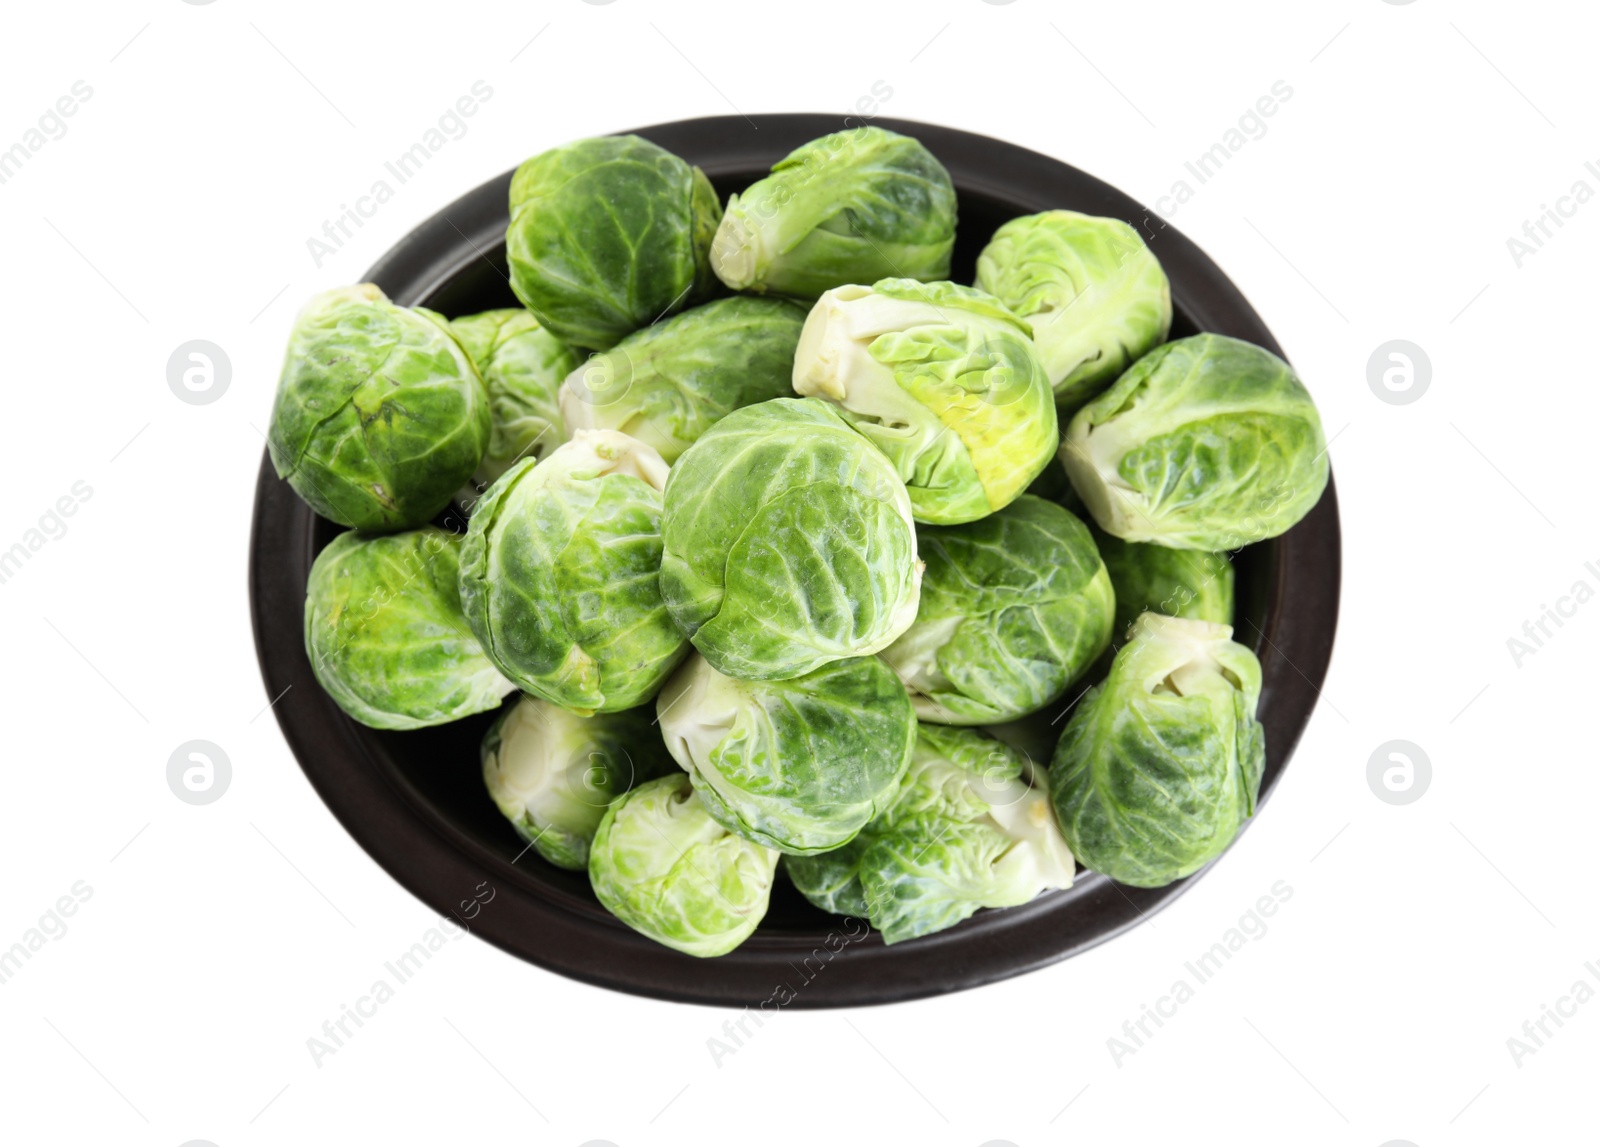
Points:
(438, 767)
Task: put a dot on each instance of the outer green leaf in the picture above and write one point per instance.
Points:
(553, 773)
(380, 415)
(852, 207)
(386, 635)
(788, 543)
(559, 575)
(608, 235)
(964, 832)
(1178, 583)
(1095, 296)
(1014, 608)
(522, 365)
(941, 378)
(797, 765)
(667, 384)
(664, 867)
(1207, 443)
(1160, 765)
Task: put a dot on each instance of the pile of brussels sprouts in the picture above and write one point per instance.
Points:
(750, 534)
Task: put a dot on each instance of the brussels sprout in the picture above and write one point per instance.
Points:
(1014, 608)
(521, 364)
(942, 379)
(964, 832)
(668, 383)
(1154, 579)
(664, 867)
(788, 543)
(1159, 766)
(608, 235)
(797, 765)
(380, 415)
(552, 773)
(852, 207)
(558, 575)
(386, 635)
(1207, 443)
(1094, 294)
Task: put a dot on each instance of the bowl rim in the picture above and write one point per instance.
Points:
(447, 869)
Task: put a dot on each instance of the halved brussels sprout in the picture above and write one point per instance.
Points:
(667, 384)
(788, 543)
(558, 575)
(1094, 294)
(1159, 767)
(553, 773)
(608, 235)
(386, 635)
(521, 364)
(1155, 579)
(852, 207)
(380, 415)
(941, 378)
(664, 867)
(1014, 608)
(1207, 443)
(797, 765)
(964, 832)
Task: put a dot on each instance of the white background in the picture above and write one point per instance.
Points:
(1377, 1007)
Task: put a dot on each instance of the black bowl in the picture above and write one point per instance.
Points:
(416, 802)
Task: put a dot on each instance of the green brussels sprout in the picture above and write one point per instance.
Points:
(1159, 767)
(942, 379)
(797, 765)
(666, 385)
(521, 364)
(965, 832)
(1014, 608)
(386, 635)
(1155, 579)
(664, 867)
(788, 543)
(1094, 294)
(558, 575)
(852, 207)
(1207, 443)
(552, 773)
(380, 415)
(608, 235)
